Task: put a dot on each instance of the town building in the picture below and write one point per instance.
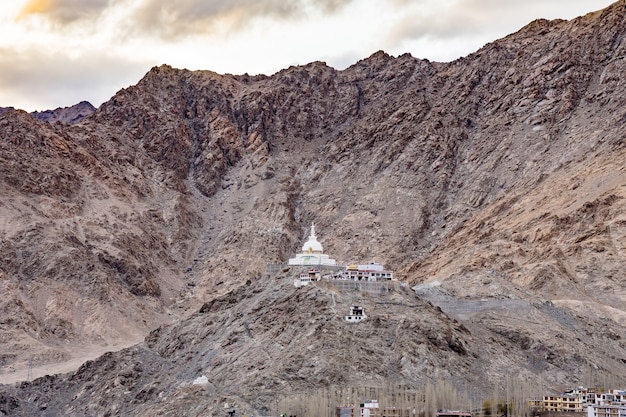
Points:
(564, 402)
(611, 397)
(596, 403)
(371, 408)
(344, 411)
(453, 413)
(607, 410)
(607, 404)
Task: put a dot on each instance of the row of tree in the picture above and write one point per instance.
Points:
(509, 399)
(421, 401)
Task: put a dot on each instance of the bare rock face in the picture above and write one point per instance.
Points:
(493, 185)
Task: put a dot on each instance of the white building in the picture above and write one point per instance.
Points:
(369, 408)
(363, 272)
(606, 410)
(312, 253)
(357, 314)
(306, 278)
(607, 404)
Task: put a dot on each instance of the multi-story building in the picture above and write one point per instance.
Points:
(612, 396)
(607, 404)
(578, 400)
(606, 410)
(565, 402)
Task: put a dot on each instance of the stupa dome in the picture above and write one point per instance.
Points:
(312, 253)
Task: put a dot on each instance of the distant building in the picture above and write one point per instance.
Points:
(371, 408)
(607, 410)
(594, 402)
(611, 397)
(535, 405)
(565, 402)
(357, 314)
(607, 404)
(344, 411)
(453, 413)
(306, 278)
(372, 271)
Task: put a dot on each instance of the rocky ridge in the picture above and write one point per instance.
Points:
(71, 114)
(494, 183)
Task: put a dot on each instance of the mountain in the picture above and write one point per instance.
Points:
(494, 186)
(71, 114)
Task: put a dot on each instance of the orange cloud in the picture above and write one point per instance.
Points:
(35, 7)
(64, 12)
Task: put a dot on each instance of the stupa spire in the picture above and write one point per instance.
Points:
(312, 252)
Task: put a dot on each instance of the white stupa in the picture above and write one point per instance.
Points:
(312, 253)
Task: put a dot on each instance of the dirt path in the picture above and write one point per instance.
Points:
(13, 374)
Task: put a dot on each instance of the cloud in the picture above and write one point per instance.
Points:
(485, 19)
(331, 6)
(63, 12)
(169, 19)
(109, 44)
(172, 19)
(464, 17)
(35, 80)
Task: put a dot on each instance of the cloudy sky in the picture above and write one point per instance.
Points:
(55, 53)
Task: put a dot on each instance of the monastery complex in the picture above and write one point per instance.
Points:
(314, 265)
(317, 266)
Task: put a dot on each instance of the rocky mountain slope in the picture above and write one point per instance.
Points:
(494, 184)
(233, 341)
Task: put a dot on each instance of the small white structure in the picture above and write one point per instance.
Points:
(312, 253)
(357, 314)
(201, 380)
(307, 277)
(369, 408)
